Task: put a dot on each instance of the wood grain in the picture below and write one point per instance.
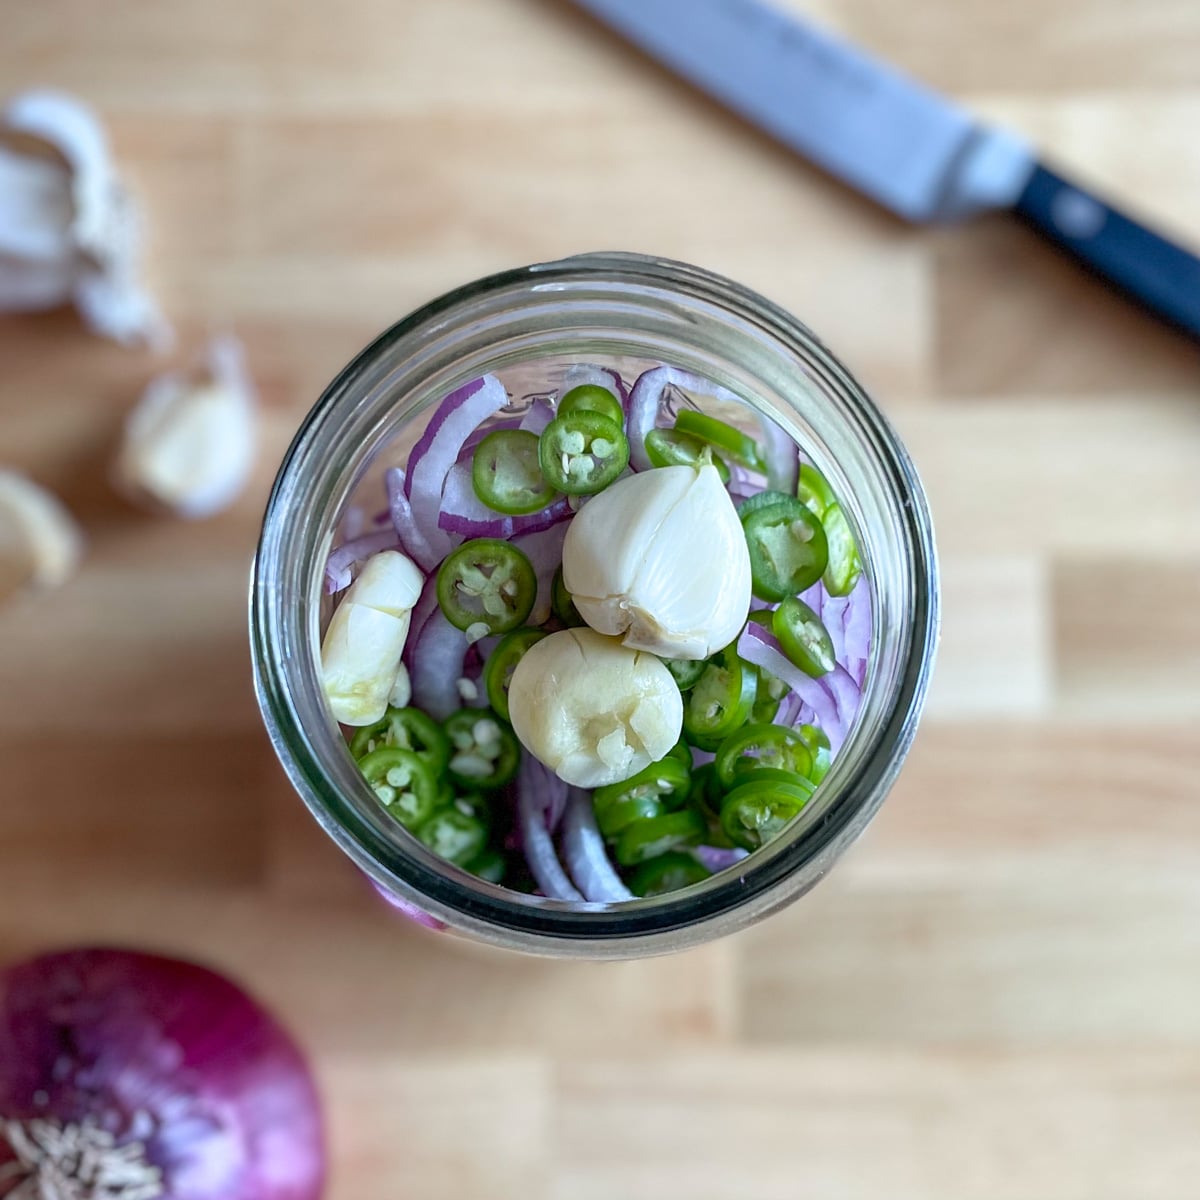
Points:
(996, 996)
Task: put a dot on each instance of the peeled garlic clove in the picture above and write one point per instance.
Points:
(101, 234)
(660, 557)
(360, 653)
(35, 208)
(40, 542)
(594, 711)
(189, 444)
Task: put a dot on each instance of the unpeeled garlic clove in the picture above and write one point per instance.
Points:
(360, 653)
(594, 711)
(67, 210)
(660, 558)
(40, 542)
(189, 445)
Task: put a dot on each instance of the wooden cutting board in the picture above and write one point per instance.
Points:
(997, 995)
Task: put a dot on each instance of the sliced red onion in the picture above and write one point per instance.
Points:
(758, 646)
(833, 617)
(347, 556)
(464, 513)
(467, 453)
(454, 420)
(586, 858)
(539, 791)
(846, 693)
(701, 758)
(789, 710)
(437, 666)
(354, 523)
(858, 630)
(646, 404)
(129, 1077)
(540, 414)
(424, 608)
(418, 546)
(717, 858)
(783, 457)
(545, 552)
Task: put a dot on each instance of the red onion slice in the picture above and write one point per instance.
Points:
(782, 455)
(717, 858)
(758, 646)
(456, 418)
(418, 546)
(437, 666)
(587, 374)
(833, 617)
(647, 399)
(586, 858)
(540, 414)
(346, 557)
(858, 630)
(846, 693)
(545, 551)
(464, 513)
(540, 790)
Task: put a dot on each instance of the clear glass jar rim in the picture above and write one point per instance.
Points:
(773, 876)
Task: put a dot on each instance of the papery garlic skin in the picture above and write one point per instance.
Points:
(360, 653)
(40, 542)
(77, 235)
(190, 443)
(592, 710)
(660, 558)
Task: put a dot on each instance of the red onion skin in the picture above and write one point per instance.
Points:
(168, 1054)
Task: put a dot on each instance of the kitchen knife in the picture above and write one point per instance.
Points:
(905, 146)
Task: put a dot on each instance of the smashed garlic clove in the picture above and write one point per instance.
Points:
(100, 237)
(40, 542)
(189, 445)
(659, 558)
(592, 710)
(360, 653)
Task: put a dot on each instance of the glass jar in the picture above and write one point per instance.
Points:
(523, 325)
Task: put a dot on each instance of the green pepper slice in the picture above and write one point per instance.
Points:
(803, 637)
(818, 745)
(659, 835)
(562, 605)
(487, 582)
(814, 492)
(767, 697)
(453, 835)
(583, 452)
(759, 500)
(409, 729)
(667, 873)
(720, 702)
(685, 671)
(488, 865)
(761, 806)
(403, 782)
(497, 672)
(670, 448)
(682, 752)
(788, 550)
(741, 447)
(844, 566)
(590, 397)
(483, 752)
(614, 818)
(707, 792)
(666, 781)
(506, 474)
(754, 747)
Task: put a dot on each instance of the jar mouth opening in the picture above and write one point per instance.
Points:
(589, 307)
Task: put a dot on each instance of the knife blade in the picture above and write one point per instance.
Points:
(908, 148)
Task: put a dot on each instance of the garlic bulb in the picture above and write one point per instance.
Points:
(40, 542)
(189, 444)
(660, 557)
(69, 231)
(360, 654)
(592, 710)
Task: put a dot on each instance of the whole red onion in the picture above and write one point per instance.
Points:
(127, 1076)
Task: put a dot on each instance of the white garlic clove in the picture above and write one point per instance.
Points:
(360, 653)
(40, 542)
(101, 237)
(35, 208)
(660, 559)
(189, 445)
(594, 711)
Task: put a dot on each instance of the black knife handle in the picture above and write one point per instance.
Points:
(1156, 273)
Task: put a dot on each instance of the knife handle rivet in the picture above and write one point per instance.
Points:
(1076, 215)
